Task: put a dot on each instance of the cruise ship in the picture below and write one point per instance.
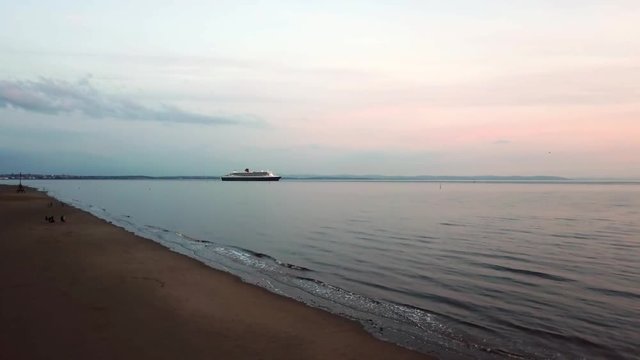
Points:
(247, 175)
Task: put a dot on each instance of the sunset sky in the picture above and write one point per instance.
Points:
(327, 87)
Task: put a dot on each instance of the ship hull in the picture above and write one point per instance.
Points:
(250, 178)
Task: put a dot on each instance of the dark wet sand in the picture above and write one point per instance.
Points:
(85, 289)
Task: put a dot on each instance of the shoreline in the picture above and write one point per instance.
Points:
(85, 288)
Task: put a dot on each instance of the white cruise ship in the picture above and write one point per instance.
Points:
(246, 175)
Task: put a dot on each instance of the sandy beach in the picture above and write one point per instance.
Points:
(85, 289)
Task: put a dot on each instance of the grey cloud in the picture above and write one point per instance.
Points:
(48, 96)
(598, 85)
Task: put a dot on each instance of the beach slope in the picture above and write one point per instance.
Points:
(85, 289)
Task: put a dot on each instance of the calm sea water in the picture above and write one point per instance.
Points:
(460, 270)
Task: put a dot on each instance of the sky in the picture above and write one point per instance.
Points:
(455, 87)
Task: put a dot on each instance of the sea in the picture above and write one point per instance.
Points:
(459, 270)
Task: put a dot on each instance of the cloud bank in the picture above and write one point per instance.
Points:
(54, 97)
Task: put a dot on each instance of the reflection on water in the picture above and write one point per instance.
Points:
(478, 270)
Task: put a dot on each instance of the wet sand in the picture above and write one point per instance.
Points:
(85, 289)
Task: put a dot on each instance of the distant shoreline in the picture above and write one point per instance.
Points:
(542, 179)
(290, 177)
